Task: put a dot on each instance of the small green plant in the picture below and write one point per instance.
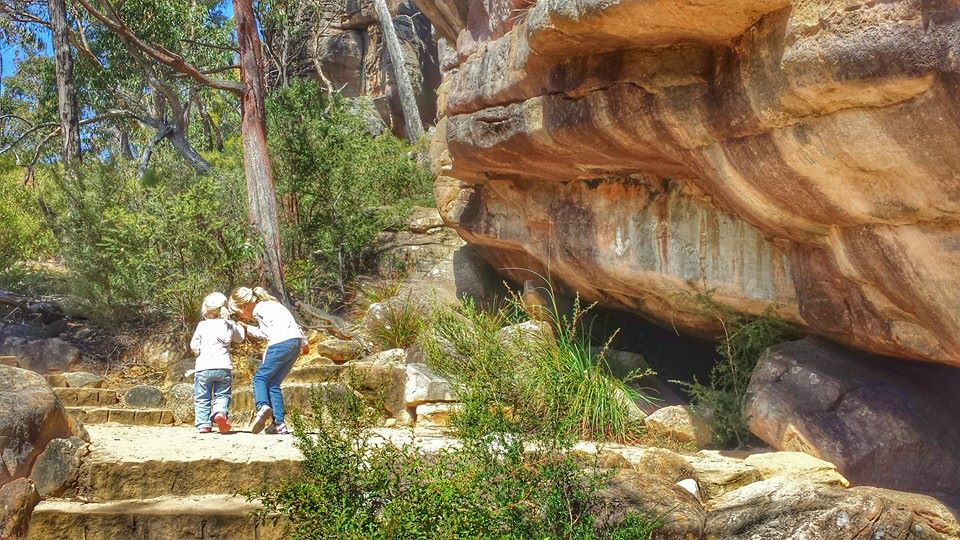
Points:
(397, 325)
(722, 400)
(492, 486)
(373, 292)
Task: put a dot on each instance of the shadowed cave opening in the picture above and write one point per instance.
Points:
(672, 355)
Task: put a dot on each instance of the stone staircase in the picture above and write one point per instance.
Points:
(170, 482)
(158, 482)
(150, 475)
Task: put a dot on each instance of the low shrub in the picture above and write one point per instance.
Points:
(723, 398)
(24, 232)
(149, 250)
(358, 487)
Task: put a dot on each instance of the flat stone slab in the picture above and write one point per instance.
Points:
(210, 516)
(71, 397)
(139, 462)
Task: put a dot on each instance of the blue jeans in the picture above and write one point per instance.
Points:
(277, 363)
(207, 384)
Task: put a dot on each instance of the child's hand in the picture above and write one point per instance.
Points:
(304, 349)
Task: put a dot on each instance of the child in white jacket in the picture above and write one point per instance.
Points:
(213, 378)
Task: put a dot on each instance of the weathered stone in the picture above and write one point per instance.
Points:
(390, 357)
(665, 464)
(30, 417)
(882, 422)
(423, 220)
(682, 514)
(180, 401)
(338, 350)
(796, 156)
(143, 396)
(677, 422)
(82, 379)
(17, 501)
(436, 414)
(71, 397)
(381, 379)
(718, 474)
(9, 361)
(169, 354)
(798, 464)
(796, 509)
(425, 386)
(58, 466)
(41, 355)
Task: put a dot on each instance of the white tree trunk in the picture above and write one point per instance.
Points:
(408, 102)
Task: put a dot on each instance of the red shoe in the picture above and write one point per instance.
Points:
(222, 423)
(204, 429)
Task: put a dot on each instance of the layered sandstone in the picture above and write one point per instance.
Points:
(663, 155)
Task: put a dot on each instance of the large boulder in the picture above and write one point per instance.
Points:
(17, 501)
(423, 385)
(678, 423)
(681, 513)
(30, 417)
(791, 155)
(58, 466)
(792, 508)
(41, 355)
(882, 422)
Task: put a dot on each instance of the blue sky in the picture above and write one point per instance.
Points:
(9, 53)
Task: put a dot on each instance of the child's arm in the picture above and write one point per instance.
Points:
(236, 332)
(195, 341)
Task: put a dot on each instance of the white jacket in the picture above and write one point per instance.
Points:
(276, 323)
(211, 343)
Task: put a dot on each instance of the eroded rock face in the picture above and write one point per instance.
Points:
(795, 154)
(882, 422)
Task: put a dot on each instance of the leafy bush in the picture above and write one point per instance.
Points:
(551, 379)
(24, 234)
(722, 400)
(357, 487)
(338, 187)
(150, 250)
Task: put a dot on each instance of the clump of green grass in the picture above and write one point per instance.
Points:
(723, 398)
(552, 379)
(397, 326)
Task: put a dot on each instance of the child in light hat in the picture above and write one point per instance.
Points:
(213, 376)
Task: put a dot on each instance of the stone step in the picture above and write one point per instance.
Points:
(72, 397)
(211, 516)
(317, 373)
(132, 417)
(139, 462)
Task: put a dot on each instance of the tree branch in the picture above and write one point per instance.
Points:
(159, 53)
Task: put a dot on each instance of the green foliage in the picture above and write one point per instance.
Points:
(548, 379)
(338, 187)
(149, 250)
(357, 487)
(397, 325)
(24, 233)
(722, 400)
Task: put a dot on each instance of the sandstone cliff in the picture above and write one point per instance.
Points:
(341, 39)
(802, 154)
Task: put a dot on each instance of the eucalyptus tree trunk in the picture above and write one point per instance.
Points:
(66, 92)
(253, 130)
(408, 101)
